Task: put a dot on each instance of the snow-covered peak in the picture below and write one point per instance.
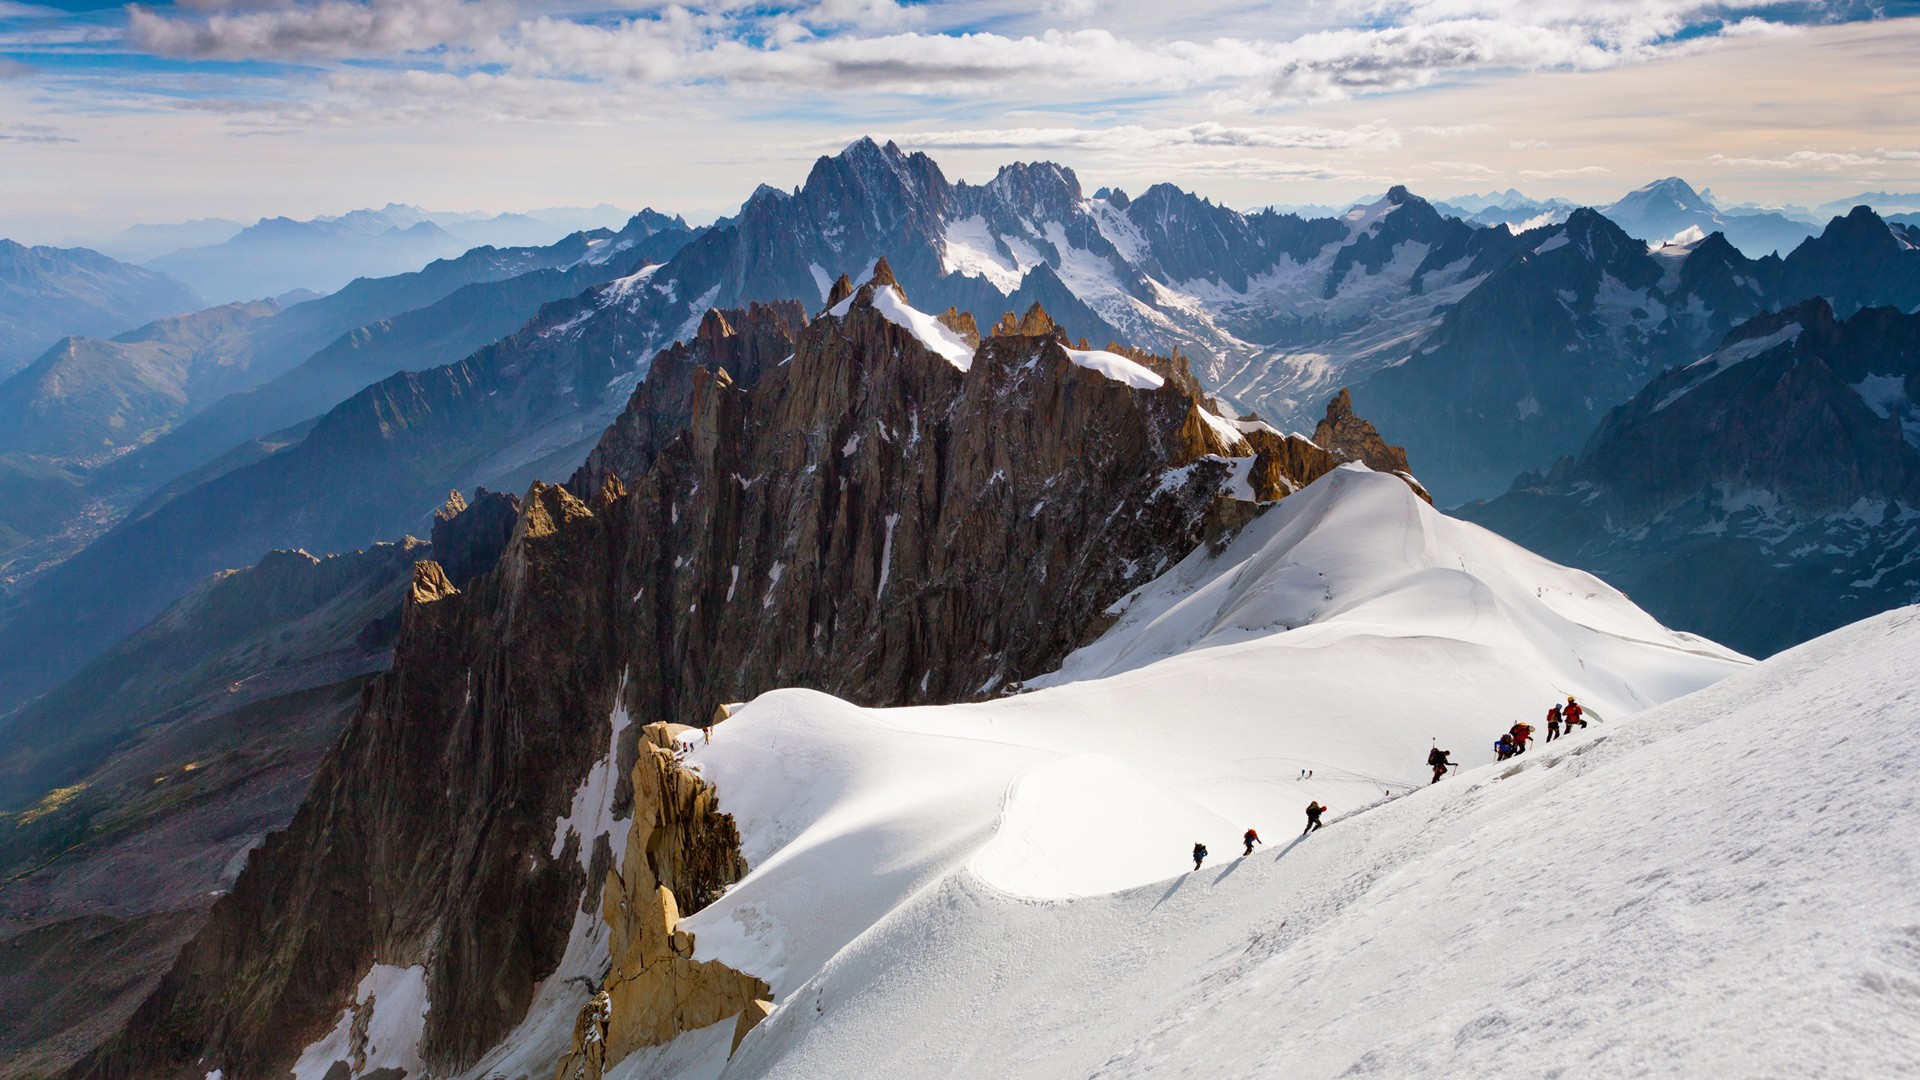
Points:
(1361, 218)
(1664, 196)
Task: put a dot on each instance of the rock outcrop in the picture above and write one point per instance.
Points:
(881, 512)
(680, 849)
(1350, 438)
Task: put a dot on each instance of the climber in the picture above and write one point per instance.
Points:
(1314, 810)
(1553, 722)
(1503, 748)
(1251, 839)
(1439, 760)
(1522, 734)
(1199, 853)
(1574, 715)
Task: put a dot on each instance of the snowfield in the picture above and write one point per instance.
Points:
(1715, 886)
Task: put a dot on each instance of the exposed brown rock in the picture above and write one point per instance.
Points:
(1036, 322)
(680, 845)
(759, 338)
(842, 288)
(1285, 463)
(883, 274)
(961, 323)
(469, 537)
(1198, 438)
(429, 584)
(1353, 439)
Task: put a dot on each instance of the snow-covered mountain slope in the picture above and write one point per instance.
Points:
(1705, 889)
(1000, 888)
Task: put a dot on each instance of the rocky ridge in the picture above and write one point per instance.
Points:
(892, 511)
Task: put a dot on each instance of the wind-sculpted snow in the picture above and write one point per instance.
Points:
(920, 876)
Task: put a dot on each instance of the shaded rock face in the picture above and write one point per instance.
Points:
(1761, 496)
(868, 518)
(468, 538)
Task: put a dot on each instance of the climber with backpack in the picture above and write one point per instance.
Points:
(1314, 810)
(1440, 761)
(1522, 734)
(1199, 853)
(1503, 748)
(1573, 714)
(1251, 839)
(1553, 722)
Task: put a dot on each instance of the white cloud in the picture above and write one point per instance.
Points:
(867, 46)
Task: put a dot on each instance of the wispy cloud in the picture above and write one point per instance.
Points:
(33, 133)
(1825, 160)
(1134, 138)
(1549, 174)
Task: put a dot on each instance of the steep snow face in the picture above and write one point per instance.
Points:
(926, 854)
(1739, 352)
(970, 247)
(930, 331)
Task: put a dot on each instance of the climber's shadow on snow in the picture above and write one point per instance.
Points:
(1277, 856)
(1225, 871)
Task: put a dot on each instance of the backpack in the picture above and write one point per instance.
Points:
(1436, 757)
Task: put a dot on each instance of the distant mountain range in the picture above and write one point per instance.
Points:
(1761, 495)
(88, 431)
(280, 255)
(49, 293)
(1484, 350)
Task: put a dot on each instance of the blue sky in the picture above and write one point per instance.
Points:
(238, 108)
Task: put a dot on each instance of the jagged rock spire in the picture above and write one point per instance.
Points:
(883, 274)
(842, 288)
(454, 505)
(713, 328)
(1350, 438)
(1035, 323)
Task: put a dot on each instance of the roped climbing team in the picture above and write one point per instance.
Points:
(1515, 740)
